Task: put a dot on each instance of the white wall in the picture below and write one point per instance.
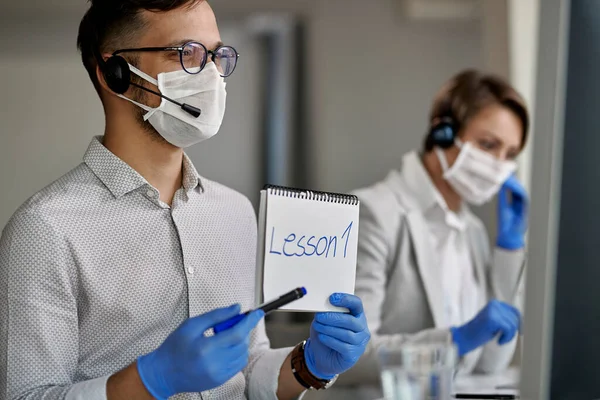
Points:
(524, 45)
(48, 112)
(373, 76)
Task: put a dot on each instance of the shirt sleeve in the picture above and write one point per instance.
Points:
(506, 284)
(262, 373)
(372, 264)
(507, 276)
(39, 325)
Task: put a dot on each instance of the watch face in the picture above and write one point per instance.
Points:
(331, 382)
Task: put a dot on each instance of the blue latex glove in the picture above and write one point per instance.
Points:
(512, 215)
(337, 340)
(188, 361)
(496, 318)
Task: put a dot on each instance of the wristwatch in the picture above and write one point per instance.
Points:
(303, 375)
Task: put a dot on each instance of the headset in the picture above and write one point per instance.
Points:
(117, 75)
(443, 133)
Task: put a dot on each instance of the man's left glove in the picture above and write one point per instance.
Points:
(337, 340)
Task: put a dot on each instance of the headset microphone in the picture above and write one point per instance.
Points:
(118, 78)
(193, 111)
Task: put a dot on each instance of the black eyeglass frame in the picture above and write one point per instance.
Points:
(213, 54)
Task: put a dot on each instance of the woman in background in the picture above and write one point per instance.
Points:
(426, 272)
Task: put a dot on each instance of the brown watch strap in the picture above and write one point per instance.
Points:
(301, 372)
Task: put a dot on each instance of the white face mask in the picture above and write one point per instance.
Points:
(205, 91)
(475, 175)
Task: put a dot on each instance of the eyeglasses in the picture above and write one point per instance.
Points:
(194, 56)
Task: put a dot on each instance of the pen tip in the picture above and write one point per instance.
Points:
(303, 290)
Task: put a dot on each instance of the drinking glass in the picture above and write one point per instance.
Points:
(418, 372)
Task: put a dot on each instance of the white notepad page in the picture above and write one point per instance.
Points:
(306, 240)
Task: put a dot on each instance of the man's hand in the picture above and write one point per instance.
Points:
(189, 361)
(337, 340)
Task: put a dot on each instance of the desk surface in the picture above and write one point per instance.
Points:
(506, 382)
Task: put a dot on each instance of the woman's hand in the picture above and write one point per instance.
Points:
(513, 207)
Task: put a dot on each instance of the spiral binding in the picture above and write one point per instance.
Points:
(316, 195)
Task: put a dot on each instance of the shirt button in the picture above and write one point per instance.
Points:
(150, 193)
(190, 270)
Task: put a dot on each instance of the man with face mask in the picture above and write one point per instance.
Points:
(426, 273)
(114, 276)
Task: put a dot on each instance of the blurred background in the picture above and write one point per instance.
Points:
(328, 95)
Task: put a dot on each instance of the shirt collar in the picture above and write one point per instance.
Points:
(191, 178)
(120, 178)
(421, 189)
(113, 172)
(424, 193)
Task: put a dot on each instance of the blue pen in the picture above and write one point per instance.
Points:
(267, 308)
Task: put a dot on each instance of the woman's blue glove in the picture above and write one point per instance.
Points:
(337, 340)
(189, 361)
(512, 215)
(495, 318)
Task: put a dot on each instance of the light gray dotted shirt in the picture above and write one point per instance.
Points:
(95, 271)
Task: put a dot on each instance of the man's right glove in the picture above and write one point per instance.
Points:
(189, 361)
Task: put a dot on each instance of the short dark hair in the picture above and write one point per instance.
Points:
(469, 92)
(109, 25)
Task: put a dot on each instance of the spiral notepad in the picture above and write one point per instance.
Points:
(306, 238)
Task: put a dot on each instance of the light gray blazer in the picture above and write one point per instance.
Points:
(398, 279)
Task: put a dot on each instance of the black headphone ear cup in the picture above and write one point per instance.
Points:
(117, 74)
(443, 134)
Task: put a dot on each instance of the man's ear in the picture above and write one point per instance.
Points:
(100, 75)
(100, 78)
